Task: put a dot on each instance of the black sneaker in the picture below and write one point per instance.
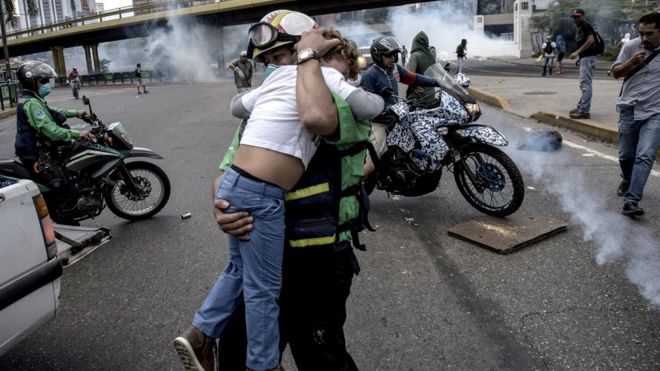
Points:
(623, 187)
(631, 209)
(580, 115)
(197, 351)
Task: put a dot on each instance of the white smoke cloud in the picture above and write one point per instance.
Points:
(615, 237)
(445, 23)
(183, 51)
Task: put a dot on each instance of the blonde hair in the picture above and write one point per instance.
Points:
(346, 50)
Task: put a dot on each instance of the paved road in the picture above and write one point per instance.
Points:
(424, 300)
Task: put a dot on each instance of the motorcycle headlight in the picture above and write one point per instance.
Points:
(474, 110)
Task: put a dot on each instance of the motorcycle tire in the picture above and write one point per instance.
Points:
(499, 190)
(127, 205)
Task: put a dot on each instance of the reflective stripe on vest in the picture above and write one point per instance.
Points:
(318, 241)
(308, 191)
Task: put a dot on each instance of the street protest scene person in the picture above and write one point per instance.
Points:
(138, 78)
(383, 78)
(286, 88)
(549, 52)
(404, 55)
(586, 55)
(74, 81)
(639, 111)
(461, 55)
(243, 70)
(40, 126)
(422, 56)
(561, 52)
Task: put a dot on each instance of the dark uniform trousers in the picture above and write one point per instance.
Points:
(315, 288)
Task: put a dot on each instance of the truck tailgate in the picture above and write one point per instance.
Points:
(74, 243)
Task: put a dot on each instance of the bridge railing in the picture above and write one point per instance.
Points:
(117, 13)
(111, 78)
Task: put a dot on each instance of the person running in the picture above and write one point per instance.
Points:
(461, 55)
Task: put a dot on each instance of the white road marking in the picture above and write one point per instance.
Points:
(601, 155)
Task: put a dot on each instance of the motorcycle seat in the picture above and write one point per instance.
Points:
(14, 168)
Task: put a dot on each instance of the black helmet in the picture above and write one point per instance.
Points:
(30, 72)
(382, 46)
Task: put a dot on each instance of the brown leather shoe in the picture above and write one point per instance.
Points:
(197, 351)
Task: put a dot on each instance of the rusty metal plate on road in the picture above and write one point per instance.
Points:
(505, 235)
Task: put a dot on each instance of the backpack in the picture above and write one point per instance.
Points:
(548, 48)
(598, 45)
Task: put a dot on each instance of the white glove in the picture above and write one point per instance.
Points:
(239, 73)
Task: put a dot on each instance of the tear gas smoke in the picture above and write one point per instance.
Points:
(614, 236)
(445, 23)
(183, 51)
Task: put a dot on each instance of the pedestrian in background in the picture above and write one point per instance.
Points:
(561, 51)
(639, 111)
(585, 38)
(461, 55)
(404, 55)
(549, 52)
(422, 56)
(242, 68)
(138, 78)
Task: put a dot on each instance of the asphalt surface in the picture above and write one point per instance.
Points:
(423, 301)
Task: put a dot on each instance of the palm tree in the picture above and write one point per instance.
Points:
(7, 13)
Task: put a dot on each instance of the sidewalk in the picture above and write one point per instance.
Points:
(601, 64)
(549, 100)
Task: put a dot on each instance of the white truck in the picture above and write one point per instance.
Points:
(32, 253)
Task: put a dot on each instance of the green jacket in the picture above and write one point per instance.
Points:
(40, 119)
(422, 56)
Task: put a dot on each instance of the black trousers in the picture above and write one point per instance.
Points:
(316, 285)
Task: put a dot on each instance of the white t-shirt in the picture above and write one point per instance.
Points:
(274, 123)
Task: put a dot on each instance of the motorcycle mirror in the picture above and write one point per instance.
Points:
(85, 100)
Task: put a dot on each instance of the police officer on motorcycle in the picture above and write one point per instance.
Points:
(38, 126)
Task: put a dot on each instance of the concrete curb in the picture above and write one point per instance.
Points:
(592, 129)
(491, 99)
(8, 112)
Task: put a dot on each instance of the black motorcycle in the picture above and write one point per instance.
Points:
(95, 173)
(426, 139)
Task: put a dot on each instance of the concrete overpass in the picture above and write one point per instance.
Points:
(223, 13)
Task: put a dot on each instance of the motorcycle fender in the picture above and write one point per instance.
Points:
(484, 134)
(141, 152)
(105, 169)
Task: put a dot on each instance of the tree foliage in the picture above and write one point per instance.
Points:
(604, 15)
(9, 10)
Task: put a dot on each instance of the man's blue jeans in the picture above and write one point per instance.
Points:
(461, 63)
(254, 272)
(638, 142)
(587, 65)
(549, 63)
